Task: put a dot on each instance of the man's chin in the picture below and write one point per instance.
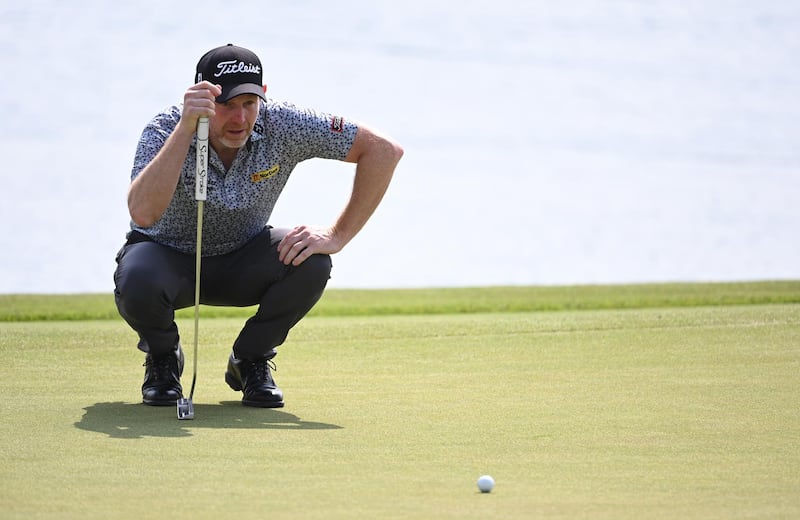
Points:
(227, 142)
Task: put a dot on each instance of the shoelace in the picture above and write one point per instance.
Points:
(160, 369)
(261, 370)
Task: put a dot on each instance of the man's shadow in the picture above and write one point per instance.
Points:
(136, 421)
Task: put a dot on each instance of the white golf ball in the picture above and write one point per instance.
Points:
(486, 483)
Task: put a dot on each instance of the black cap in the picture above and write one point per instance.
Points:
(236, 69)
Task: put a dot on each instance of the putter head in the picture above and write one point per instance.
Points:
(185, 409)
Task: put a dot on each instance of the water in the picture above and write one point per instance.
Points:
(592, 142)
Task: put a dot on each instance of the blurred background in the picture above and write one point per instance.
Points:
(546, 143)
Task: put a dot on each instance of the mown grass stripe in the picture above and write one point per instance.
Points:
(467, 300)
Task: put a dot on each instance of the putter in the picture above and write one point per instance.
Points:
(185, 406)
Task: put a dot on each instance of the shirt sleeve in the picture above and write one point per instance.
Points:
(153, 137)
(308, 133)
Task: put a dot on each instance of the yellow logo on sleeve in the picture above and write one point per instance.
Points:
(265, 174)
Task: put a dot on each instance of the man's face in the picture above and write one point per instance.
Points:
(233, 122)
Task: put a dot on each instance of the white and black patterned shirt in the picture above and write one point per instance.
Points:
(240, 201)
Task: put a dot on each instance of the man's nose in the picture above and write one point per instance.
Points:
(238, 115)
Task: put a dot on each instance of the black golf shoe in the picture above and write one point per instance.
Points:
(254, 379)
(162, 378)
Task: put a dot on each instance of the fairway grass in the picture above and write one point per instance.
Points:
(633, 413)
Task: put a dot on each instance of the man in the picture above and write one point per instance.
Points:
(255, 144)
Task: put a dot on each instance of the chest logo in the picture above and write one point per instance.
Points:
(265, 174)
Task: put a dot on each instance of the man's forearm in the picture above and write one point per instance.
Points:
(374, 172)
(151, 191)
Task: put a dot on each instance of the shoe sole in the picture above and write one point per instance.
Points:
(152, 402)
(236, 385)
(263, 404)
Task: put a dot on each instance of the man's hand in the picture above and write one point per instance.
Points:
(304, 241)
(198, 101)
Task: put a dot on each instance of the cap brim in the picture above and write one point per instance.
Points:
(237, 90)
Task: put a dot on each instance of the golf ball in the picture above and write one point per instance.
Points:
(485, 483)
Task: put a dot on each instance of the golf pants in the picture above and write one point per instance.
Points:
(152, 281)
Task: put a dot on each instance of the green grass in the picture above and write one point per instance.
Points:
(660, 412)
(347, 302)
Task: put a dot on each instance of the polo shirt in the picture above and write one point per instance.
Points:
(240, 200)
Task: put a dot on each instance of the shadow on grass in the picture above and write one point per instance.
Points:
(136, 420)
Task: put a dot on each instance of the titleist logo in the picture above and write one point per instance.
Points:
(236, 67)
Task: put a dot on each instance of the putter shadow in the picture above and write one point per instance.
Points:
(136, 421)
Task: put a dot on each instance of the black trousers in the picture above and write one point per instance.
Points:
(153, 281)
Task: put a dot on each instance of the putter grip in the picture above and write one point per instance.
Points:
(201, 176)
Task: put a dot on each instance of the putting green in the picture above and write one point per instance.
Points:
(653, 413)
